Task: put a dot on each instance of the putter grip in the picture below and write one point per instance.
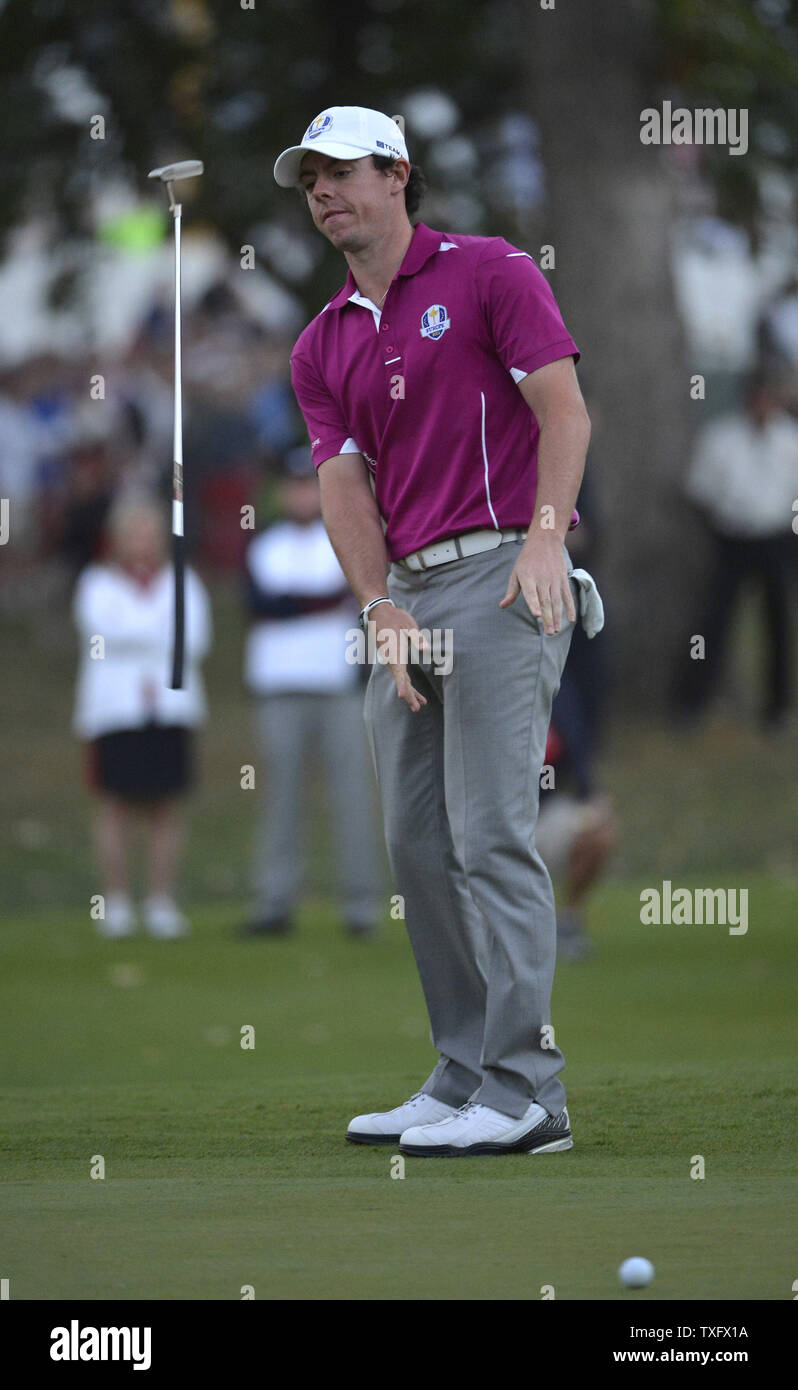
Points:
(178, 649)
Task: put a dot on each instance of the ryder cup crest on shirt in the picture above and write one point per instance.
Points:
(434, 322)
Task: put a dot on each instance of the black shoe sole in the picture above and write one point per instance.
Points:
(528, 1144)
(373, 1138)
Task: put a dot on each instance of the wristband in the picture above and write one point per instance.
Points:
(364, 612)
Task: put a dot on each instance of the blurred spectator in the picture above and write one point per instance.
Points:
(221, 443)
(576, 830)
(778, 329)
(778, 342)
(142, 385)
(22, 443)
(308, 700)
(36, 423)
(588, 660)
(83, 509)
(137, 730)
(744, 479)
(576, 827)
(273, 403)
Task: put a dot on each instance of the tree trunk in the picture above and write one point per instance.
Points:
(592, 70)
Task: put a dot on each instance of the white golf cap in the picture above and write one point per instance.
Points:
(343, 132)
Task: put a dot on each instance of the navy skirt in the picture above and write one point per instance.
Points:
(144, 764)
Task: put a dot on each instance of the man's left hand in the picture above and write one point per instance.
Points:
(541, 574)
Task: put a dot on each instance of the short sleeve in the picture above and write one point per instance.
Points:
(324, 421)
(521, 312)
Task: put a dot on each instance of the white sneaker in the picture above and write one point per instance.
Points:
(119, 920)
(476, 1129)
(164, 920)
(386, 1126)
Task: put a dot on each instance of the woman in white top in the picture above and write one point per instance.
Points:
(138, 732)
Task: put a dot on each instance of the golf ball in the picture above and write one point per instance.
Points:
(636, 1272)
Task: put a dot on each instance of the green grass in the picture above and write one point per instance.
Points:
(227, 1167)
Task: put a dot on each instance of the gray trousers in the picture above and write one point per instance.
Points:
(459, 782)
(292, 729)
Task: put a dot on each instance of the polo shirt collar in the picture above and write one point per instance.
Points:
(424, 244)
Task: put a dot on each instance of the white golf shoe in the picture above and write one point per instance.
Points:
(119, 920)
(164, 920)
(386, 1126)
(476, 1129)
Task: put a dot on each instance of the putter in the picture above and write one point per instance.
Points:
(171, 174)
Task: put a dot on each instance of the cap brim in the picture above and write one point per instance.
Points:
(286, 169)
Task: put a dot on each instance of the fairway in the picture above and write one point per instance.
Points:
(226, 1167)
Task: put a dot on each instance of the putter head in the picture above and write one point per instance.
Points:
(184, 169)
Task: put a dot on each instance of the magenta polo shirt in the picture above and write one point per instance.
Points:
(426, 389)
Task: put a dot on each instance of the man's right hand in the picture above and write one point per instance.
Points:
(397, 638)
(355, 529)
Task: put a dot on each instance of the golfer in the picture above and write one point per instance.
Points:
(449, 434)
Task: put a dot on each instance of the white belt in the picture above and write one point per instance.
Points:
(458, 547)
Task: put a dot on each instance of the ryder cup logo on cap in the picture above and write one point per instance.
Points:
(343, 132)
(434, 322)
(317, 127)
